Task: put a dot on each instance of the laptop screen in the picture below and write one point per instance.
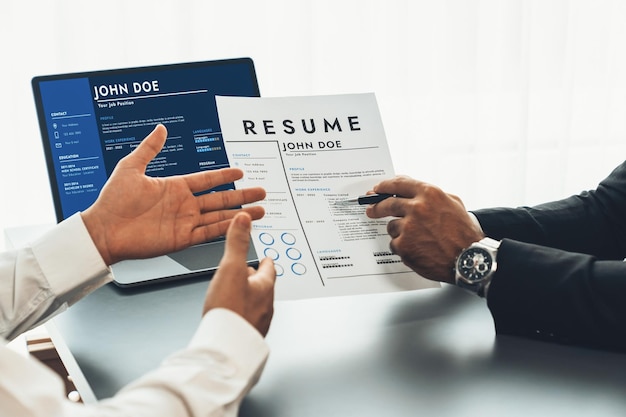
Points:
(90, 120)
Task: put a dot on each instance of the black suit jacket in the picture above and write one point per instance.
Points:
(561, 274)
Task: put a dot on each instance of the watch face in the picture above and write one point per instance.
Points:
(474, 264)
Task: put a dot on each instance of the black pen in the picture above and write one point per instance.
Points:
(365, 199)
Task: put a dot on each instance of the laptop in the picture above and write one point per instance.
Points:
(90, 120)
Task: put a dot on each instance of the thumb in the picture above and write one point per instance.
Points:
(265, 274)
(237, 239)
(149, 147)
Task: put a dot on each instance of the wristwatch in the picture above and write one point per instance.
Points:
(476, 265)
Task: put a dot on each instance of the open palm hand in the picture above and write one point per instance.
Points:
(137, 216)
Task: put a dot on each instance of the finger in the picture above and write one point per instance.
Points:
(401, 186)
(213, 229)
(218, 217)
(148, 148)
(265, 274)
(208, 232)
(255, 212)
(393, 228)
(206, 180)
(267, 271)
(404, 188)
(237, 239)
(215, 224)
(228, 199)
(395, 206)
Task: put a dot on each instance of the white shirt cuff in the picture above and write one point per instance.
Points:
(224, 330)
(70, 260)
(475, 221)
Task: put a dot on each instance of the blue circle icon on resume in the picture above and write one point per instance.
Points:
(266, 238)
(288, 238)
(293, 253)
(271, 253)
(298, 268)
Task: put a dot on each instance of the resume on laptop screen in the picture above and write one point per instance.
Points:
(90, 120)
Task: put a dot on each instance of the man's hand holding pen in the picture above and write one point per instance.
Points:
(365, 199)
(430, 228)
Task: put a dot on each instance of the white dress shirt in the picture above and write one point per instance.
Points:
(210, 377)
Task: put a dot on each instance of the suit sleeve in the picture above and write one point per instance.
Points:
(560, 273)
(559, 296)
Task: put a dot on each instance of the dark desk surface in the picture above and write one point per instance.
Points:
(428, 352)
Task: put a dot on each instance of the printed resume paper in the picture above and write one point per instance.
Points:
(309, 153)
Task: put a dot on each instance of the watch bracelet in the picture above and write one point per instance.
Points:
(478, 289)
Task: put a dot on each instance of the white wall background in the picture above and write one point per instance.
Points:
(503, 102)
